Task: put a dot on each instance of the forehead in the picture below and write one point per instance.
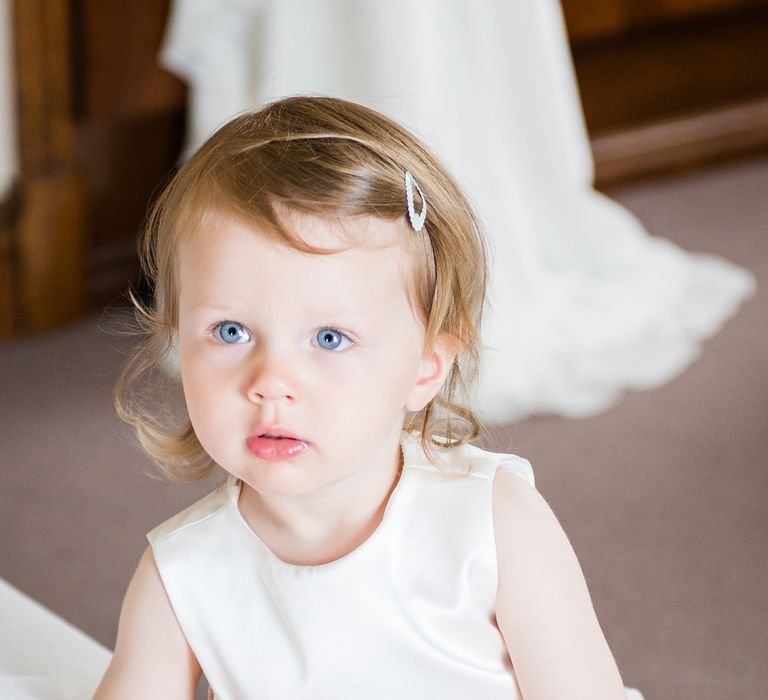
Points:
(227, 258)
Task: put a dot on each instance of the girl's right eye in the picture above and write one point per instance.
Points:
(231, 332)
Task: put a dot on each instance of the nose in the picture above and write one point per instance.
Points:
(270, 382)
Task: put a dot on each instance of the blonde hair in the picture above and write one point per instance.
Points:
(326, 157)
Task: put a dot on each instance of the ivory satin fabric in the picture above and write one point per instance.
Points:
(408, 614)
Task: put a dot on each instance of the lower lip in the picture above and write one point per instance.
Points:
(275, 450)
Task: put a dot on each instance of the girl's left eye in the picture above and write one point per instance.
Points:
(232, 332)
(330, 338)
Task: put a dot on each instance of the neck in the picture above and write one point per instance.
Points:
(349, 509)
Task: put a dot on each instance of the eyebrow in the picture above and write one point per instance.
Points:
(343, 311)
(223, 311)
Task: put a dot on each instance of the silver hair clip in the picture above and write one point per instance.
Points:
(417, 220)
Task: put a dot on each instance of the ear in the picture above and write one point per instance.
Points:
(434, 369)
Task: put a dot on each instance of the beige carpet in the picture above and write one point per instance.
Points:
(663, 497)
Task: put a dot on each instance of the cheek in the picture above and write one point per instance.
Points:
(203, 394)
(198, 404)
(385, 384)
(208, 412)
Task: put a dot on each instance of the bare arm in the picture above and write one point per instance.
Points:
(152, 658)
(544, 610)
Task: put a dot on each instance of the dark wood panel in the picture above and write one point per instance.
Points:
(673, 71)
(50, 250)
(593, 19)
(124, 161)
(684, 143)
(48, 233)
(116, 60)
(131, 115)
(100, 124)
(43, 82)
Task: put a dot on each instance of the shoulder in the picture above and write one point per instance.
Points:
(515, 497)
(531, 545)
(543, 607)
(526, 530)
(152, 657)
(147, 607)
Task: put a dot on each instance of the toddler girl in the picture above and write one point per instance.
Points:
(320, 279)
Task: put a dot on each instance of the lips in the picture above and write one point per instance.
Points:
(275, 449)
(263, 430)
(275, 443)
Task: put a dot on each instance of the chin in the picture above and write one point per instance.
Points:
(276, 478)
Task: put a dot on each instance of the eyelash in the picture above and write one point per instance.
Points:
(214, 328)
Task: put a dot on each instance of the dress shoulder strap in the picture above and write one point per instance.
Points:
(519, 465)
(485, 463)
(208, 505)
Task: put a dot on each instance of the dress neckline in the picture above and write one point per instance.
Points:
(410, 446)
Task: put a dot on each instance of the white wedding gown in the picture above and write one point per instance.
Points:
(584, 303)
(9, 157)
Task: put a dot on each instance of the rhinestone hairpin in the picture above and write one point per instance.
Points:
(417, 220)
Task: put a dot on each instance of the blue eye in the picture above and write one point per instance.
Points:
(330, 338)
(232, 332)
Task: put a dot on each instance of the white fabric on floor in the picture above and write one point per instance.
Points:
(42, 656)
(584, 303)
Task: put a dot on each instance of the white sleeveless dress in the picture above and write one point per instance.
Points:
(410, 613)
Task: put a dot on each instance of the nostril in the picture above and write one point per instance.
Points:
(269, 396)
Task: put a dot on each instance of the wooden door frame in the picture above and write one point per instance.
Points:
(49, 222)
